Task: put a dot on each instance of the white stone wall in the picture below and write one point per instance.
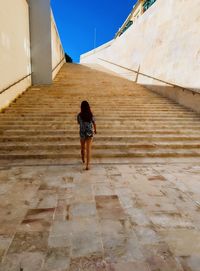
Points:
(165, 44)
(15, 52)
(57, 49)
(94, 53)
(14, 49)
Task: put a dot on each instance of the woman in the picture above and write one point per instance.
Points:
(86, 121)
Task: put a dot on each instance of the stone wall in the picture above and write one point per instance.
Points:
(14, 49)
(58, 55)
(164, 44)
(93, 55)
(17, 50)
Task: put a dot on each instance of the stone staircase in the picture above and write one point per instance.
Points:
(132, 122)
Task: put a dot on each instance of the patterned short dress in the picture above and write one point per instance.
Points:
(86, 128)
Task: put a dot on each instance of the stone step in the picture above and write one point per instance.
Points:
(117, 119)
(98, 102)
(103, 154)
(46, 111)
(63, 95)
(138, 99)
(103, 126)
(116, 97)
(104, 104)
(73, 128)
(101, 139)
(104, 113)
(121, 146)
(132, 122)
(104, 123)
(53, 104)
(99, 106)
(69, 118)
(111, 114)
(102, 110)
(118, 132)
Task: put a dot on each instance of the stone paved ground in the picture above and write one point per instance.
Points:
(129, 217)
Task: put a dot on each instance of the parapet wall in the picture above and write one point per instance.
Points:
(58, 55)
(163, 44)
(15, 61)
(96, 50)
(15, 50)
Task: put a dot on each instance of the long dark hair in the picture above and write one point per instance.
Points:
(86, 113)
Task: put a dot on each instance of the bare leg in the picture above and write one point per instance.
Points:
(88, 151)
(82, 150)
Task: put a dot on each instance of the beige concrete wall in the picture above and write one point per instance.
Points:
(57, 49)
(14, 49)
(163, 43)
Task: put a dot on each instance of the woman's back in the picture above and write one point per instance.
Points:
(86, 127)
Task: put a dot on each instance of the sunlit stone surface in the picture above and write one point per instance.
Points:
(137, 209)
(112, 218)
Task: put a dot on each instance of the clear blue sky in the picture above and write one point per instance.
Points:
(77, 19)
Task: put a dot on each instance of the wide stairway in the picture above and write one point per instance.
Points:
(132, 122)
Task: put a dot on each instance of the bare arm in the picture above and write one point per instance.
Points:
(95, 128)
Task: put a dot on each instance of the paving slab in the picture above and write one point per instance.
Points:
(112, 218)
(177, 238)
